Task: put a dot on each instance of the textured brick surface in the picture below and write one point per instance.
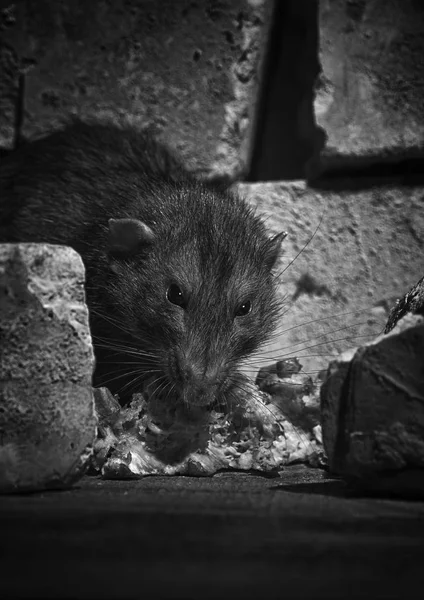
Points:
(369, 97)
(189, 70)
(365, 254)
(47, 422)
(373, 410)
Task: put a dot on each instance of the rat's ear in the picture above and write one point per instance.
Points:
(273, 249)
(128, 236)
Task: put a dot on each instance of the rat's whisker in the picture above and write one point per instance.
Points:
(304, 247)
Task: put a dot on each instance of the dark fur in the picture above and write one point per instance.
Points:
(63, 188)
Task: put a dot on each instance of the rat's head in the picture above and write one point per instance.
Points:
(194, 285)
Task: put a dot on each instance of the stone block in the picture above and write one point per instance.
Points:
(47, 419)
(369, 95)
(373, 412)
(348, 256)
(187, 70)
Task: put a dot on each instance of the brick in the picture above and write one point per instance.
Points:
(373, 411)
(187, 70)
(47, 420)
(365, 253)
(369, 95)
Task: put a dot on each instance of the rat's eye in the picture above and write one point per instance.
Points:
(176, 296)
(244, 309)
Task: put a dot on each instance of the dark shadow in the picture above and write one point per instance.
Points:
(402, 168)
(399, 485)
(286, 136)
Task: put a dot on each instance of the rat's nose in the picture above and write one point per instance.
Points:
(198, 383)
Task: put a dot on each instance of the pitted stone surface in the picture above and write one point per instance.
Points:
(47, 419)
(373, 411)
(369, 94)
(187, 70)
(344, 279)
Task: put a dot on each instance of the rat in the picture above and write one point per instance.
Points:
(179, 283)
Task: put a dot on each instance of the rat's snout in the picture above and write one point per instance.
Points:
(197, 382)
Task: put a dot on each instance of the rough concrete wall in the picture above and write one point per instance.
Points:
(369, 98)
(187, 69)
(366, 252)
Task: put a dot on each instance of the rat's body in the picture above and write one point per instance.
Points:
(178, 274)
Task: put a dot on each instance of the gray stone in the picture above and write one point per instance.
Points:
(47, 419)
(338, 284)
(369, 95)
(187, 70)
(373, 411)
